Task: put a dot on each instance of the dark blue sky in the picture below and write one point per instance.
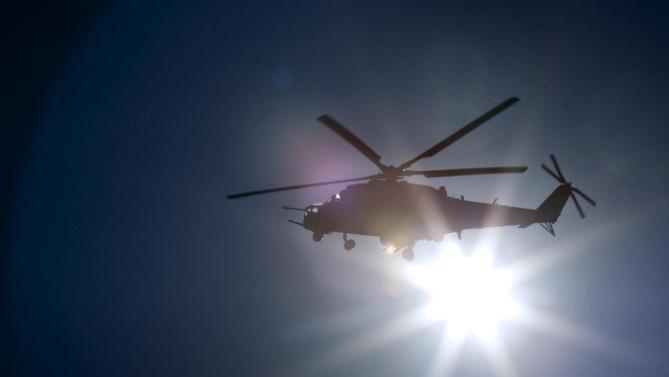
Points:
(125, 258)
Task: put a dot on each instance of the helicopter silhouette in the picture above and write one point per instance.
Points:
(401, 213)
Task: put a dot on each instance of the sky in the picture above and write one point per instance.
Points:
(125, 258)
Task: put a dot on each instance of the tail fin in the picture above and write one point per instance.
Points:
(548, 212)
(550, 209)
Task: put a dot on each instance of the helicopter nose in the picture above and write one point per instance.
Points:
(306, 221)
(308, 217)
(311, 214)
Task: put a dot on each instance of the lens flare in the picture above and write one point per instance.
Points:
(390, 248)
(468, 293)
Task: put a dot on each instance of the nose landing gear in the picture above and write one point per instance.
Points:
(348, 244)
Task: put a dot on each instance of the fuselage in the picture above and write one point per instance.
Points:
(401, 213)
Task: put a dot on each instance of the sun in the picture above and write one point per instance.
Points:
(467, 296)
(466, 292)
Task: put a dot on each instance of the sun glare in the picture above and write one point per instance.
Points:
(470, 296)
(467, 292)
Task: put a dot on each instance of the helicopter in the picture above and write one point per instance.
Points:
(400, 213)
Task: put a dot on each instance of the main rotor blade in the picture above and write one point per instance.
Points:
(295, 187)
(587, 198)
(462, 132)
(549, 171)
(347, 135)
(578, 206)
(470, 171)
(557, 167)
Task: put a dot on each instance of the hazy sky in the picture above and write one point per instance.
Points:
(126, 258)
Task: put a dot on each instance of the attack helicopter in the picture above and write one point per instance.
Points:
(401, 213)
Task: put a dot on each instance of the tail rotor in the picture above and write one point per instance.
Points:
(557, 174)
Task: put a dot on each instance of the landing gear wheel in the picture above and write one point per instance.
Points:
(349, 245)
(408, 255)
(317, 237)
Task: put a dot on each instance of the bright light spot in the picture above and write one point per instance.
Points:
(468, 293)
(390, 249)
